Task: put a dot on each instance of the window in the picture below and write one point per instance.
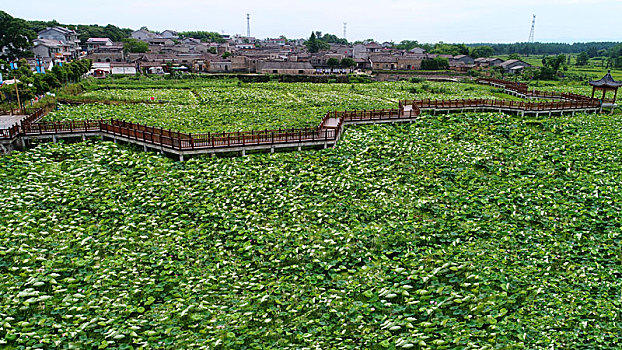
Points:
(300, 71)
(275, 71)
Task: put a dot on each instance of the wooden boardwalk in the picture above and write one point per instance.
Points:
(326, 134)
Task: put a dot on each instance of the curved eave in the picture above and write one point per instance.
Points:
(606, 82)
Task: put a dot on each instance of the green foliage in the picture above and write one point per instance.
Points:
(333, 39)
(582, 59)
(482, 51)
(222, 105)
(16, 36)
(226, 54)
(411, 44)
(551, 67)
(450, 49)
(464, 231)
(210, 37)
(347, 62)
(615, 56)
(332, 62)
(86, 31)
(135, 46)
(548, 48)
(315, 43)
(438, 63)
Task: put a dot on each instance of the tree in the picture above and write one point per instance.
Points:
(332, 62)
(551, 67)
(312, 44)
(15, 36)
(482, 51)
(315, 44)
(226, 54)
(450, 49)
(438, 63)
(347, 62)
(135, 46)
(333, 39)
(582, 58)
(514, 56)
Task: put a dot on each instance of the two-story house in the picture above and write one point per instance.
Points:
(70, 44)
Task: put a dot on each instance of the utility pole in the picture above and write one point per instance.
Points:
(19, 103)
(533, 30)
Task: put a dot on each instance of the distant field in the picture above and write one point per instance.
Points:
(593, 70)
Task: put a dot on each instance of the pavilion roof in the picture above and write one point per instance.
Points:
(606, 81)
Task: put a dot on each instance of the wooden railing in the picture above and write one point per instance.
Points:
(503, 104)
(179, 140)
(10, 133)
(522, 88)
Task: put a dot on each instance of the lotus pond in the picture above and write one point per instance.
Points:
(216, 106)
(475, 231)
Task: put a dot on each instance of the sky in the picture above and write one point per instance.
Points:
(430, 21)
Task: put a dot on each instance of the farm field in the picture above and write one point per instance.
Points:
(217, 106)
(594, 70)
(459, 231)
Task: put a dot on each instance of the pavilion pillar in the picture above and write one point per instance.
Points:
(593, 91)
(615, 95)
(604, 92)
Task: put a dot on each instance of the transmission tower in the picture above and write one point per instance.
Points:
(344, 29)
(248, 25)
(533, 29)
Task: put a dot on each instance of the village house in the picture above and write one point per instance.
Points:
(487, 61)
(409, 62)
(100, 69)
(514, 66)
(123, 68)
(169, 34)
(69, 42)
(107, 53)
(222, 66)
(94, 43)
(461, 60)
(143, 35)
(160, 42)
(291, 68)
(383, 62)
(243, 64)
(362, 51)
(46, 48)
(343, 50)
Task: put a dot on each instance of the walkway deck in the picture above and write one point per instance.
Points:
(7, 121)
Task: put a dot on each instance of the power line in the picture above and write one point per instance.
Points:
(533, 29)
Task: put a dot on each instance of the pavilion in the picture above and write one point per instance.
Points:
(606, 84)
